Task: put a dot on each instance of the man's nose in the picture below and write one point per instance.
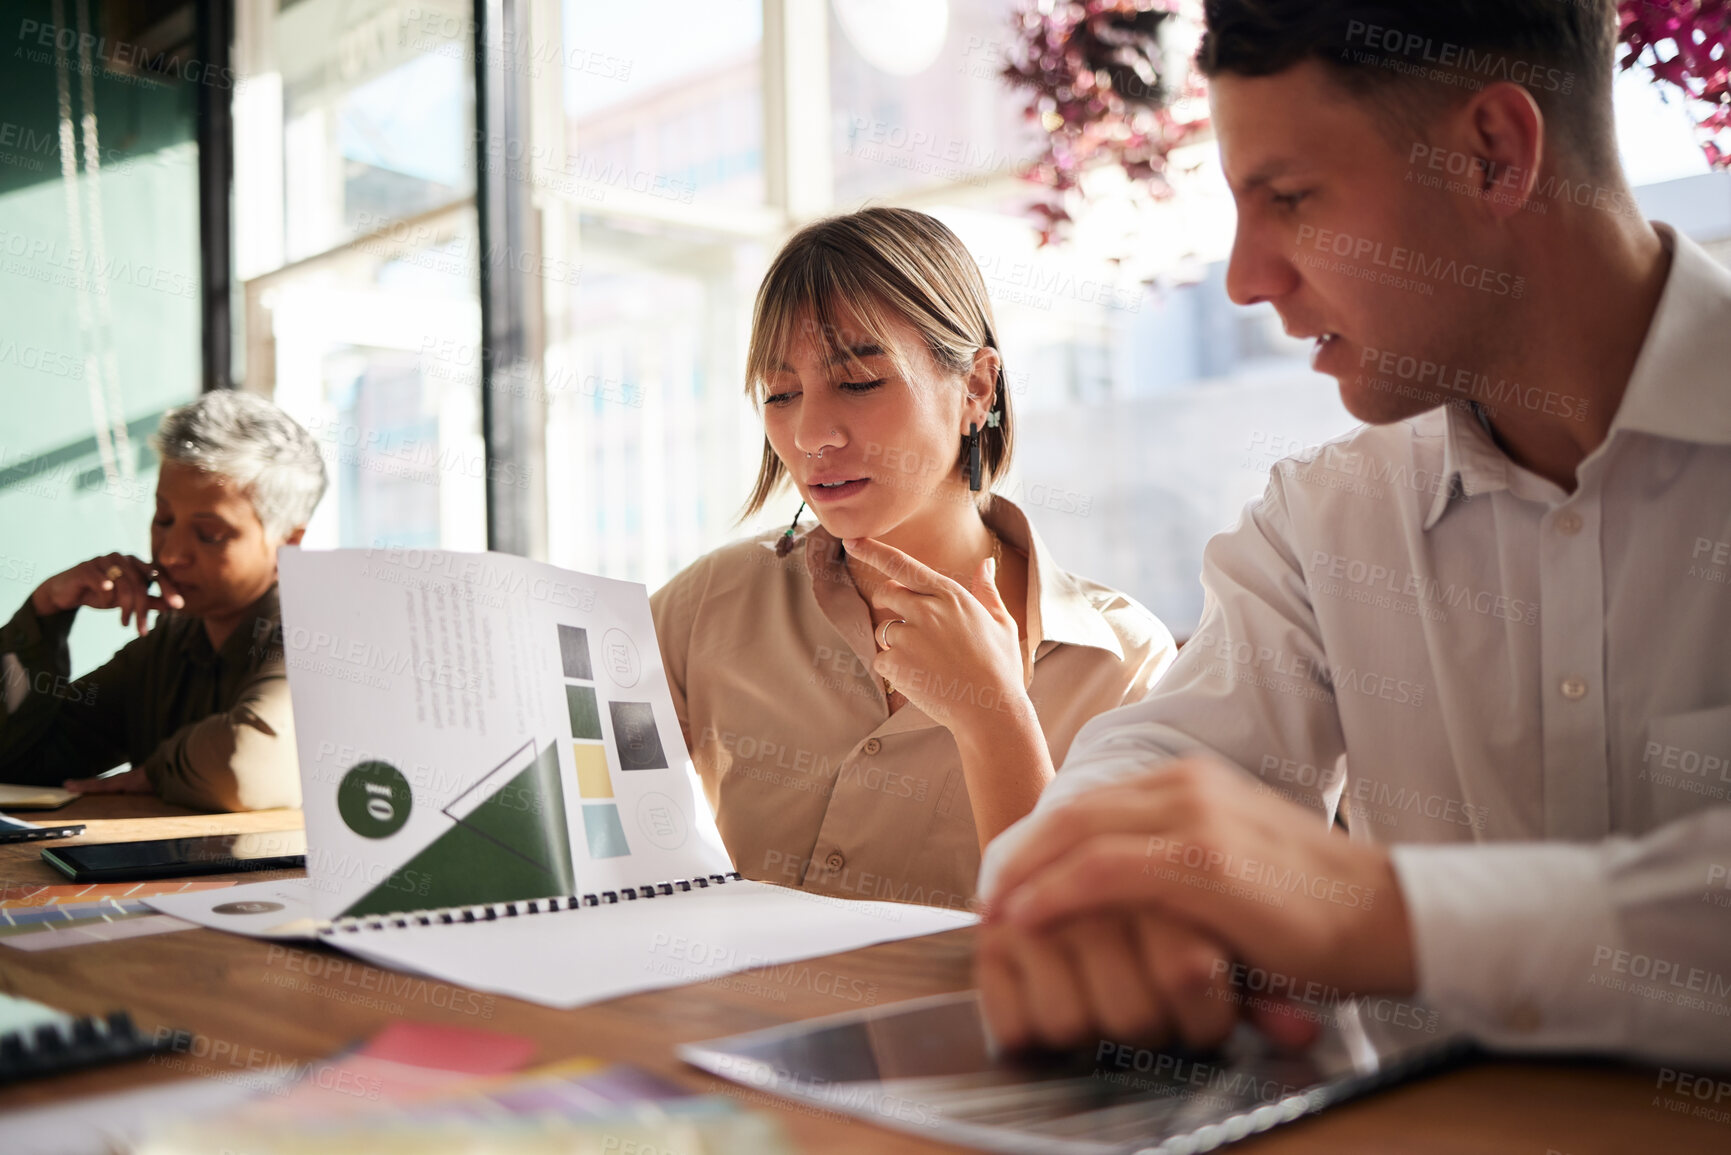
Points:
(1260, 268)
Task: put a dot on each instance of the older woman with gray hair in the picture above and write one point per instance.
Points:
(199, 703)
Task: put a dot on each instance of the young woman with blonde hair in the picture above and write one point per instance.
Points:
(872, 700)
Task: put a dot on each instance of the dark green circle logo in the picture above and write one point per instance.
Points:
(374, 799)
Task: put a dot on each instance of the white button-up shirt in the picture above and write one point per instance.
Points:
(1525, 692)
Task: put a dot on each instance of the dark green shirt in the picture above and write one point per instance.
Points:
(211, 729)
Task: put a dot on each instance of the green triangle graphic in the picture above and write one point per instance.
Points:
(512, 846)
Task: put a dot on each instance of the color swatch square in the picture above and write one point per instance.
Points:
(574, 653)
(585, 712)
(638, 739)
(593, 781)
(605, 832)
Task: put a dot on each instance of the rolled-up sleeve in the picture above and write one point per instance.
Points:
(243, 758)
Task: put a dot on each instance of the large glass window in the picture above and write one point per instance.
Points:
(358, 247)
(659, 184)
(99, 283)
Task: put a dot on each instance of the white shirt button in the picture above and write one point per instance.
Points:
(1574, 689)
(1568, 523)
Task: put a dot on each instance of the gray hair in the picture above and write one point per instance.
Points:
(246, 439)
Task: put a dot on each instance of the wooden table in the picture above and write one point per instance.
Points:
(297, 1003)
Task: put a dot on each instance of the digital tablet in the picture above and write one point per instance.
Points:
(178, 857)
(929, 1067)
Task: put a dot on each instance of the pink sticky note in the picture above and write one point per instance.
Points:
(463, 1049)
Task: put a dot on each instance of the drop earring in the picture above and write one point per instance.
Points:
(974, 456)
(785, 545)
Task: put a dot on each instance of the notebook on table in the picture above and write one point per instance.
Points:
(497, 791)
(13, 797)
(929, 1067)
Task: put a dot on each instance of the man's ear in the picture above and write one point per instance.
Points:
(1505, 134)
(295, 535)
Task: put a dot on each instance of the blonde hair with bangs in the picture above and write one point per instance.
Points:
(879, 263)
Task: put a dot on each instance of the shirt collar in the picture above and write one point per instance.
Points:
(1058, 609)
(1678, 388)
(1472, 463)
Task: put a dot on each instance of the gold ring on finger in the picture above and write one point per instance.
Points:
(884, 630)
(114, 573)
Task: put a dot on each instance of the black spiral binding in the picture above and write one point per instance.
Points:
(493, 911)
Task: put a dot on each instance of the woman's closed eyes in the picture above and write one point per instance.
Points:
(849, 386)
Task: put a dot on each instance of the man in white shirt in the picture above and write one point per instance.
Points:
(1489, 633)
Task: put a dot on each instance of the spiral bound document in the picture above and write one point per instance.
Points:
(492, 912)
(497, 791)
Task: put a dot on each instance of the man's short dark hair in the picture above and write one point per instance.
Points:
(1425, 54)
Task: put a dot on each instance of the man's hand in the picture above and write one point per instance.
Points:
(1195, 843)
(1131, 978)
(133, 781)
(113, 581)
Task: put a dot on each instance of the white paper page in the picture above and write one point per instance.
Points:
(482, 728)
(570, 958)
(282, 908)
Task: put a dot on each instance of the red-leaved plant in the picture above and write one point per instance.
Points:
(1098, 84)
(1687, 43)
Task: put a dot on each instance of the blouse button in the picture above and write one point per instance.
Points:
(872, 746)
(1574, 689)
(1568, 523)
(834, 862)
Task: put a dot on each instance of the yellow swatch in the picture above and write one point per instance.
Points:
(593, 780)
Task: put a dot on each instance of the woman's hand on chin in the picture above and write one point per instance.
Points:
(112, 581)
(955, 652)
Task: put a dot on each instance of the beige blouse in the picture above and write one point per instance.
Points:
(814, 782)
